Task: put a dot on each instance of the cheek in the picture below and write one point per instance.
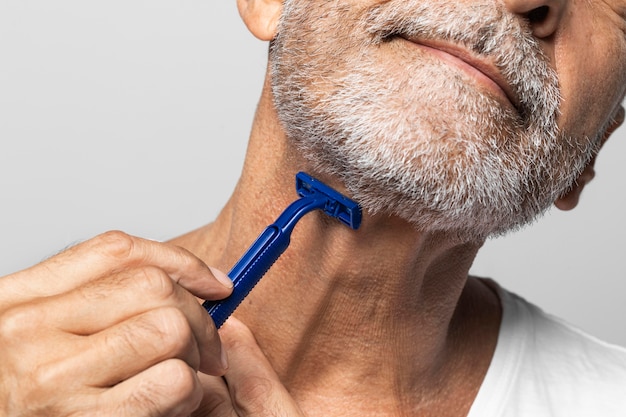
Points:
(591, 67)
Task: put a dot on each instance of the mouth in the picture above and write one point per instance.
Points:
(483, 72)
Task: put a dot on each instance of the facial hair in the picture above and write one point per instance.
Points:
(409, 135)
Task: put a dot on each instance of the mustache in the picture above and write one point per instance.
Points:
(486, 30)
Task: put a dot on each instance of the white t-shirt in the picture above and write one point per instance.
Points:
(544, 367)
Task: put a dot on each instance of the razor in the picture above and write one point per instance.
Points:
(274, 240)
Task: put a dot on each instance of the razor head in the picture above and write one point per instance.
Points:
(336, 204)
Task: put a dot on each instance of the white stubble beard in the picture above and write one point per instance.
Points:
(422, 142)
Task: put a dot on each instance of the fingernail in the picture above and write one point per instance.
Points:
(221, 277)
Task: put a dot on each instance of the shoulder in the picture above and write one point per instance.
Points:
(553, 342)
(547, 367)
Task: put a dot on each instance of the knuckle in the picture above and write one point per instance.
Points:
(46, 375)
(28, 374)
(164, 332)
(116, 244)
(16, 321)
(174, 329)
(156, 282)
(176, 389)
(182, 379)
(50, 381)
(141, 337)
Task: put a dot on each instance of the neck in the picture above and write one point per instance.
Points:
(384, 304)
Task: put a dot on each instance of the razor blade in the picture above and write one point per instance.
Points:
(274, 240)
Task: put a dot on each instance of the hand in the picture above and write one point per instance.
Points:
(110, 328)
(250, 386)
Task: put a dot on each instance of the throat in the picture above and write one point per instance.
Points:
(343, 366)
(382, 317)
(378, 334)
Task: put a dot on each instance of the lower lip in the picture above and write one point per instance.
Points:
(470, 70)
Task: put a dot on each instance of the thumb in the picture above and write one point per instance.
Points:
(254, 386)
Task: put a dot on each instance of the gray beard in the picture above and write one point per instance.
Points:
(422, 142)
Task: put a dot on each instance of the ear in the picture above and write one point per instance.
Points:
(261, 17)
(570, 200)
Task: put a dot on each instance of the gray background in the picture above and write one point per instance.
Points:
(134, 115)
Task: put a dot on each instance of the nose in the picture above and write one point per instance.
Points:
(544, 16)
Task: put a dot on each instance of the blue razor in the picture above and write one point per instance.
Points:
(268, 247)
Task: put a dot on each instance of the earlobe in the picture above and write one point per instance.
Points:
(570, 199)
(261, 17)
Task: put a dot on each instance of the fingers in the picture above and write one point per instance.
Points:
(138, 344)
(216, 401)
(170, 388)
(141, 308)
(104, 302)
(114, 317)
(109, 253)
(254, 387)
(76, 381)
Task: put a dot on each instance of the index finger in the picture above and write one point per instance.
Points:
(106, 254)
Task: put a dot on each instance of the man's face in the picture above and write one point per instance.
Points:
(451, 115)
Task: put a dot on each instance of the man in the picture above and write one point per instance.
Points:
(449, 122)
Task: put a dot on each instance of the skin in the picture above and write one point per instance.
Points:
(108, 327)
(390, 324)
(411, 130)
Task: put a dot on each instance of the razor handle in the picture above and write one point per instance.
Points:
(314, 195)
(248, 271)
